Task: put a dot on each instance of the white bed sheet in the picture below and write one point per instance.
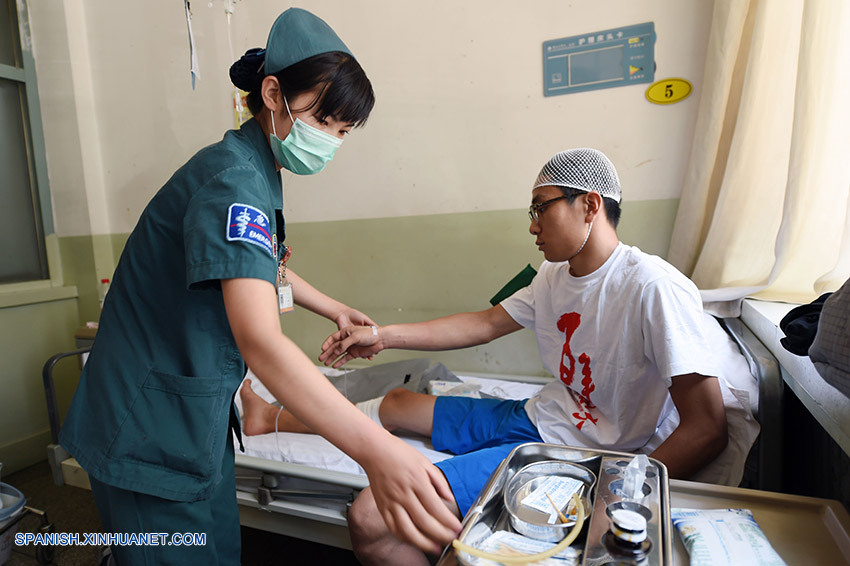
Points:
(313, 450)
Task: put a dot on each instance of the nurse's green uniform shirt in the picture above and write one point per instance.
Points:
(152, 408)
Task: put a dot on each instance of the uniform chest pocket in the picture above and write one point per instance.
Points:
(175, 423)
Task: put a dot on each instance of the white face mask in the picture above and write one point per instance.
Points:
(306, 150)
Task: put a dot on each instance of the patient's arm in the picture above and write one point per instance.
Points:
(701, 435)
(407, 487)
(307, 296)
(447, 333)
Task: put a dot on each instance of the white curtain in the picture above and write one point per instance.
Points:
(765, 208)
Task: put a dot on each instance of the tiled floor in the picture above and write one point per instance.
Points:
(71, 509)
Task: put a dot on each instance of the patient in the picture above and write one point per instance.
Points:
(639, 367)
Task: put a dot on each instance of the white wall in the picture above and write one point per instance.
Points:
(461, 123)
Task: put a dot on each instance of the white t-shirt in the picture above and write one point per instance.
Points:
(614, 339)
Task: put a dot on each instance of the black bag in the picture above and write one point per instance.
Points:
(800, 326)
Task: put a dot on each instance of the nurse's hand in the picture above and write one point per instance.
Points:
(350, 343)
(352, 317)
(410, 492)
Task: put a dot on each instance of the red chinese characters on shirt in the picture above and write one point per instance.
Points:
(568, 324)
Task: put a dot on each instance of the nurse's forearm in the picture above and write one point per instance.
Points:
(312, 299)
(287, 372)
(409, 491)
(294, 381)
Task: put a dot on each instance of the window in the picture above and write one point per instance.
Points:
(23, 182)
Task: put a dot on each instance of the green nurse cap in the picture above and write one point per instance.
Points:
(297, 35)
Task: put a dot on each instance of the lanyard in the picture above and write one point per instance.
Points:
(285, 300)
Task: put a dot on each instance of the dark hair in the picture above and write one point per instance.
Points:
(612, 207)
(344, 89)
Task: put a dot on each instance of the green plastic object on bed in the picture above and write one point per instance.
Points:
(520, 280)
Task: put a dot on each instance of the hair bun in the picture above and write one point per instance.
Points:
(245, 73)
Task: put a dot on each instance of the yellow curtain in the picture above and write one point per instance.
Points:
(765, 208)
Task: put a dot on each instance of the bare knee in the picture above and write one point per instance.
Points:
(405, 409)
(366, 527)
(372, 541)
(393, 403)
(398, 397)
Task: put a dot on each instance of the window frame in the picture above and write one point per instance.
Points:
(23, 72)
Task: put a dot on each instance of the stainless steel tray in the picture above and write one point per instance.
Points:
(489, 508)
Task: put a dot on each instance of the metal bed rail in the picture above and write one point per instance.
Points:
(316, 510)
(767, 451)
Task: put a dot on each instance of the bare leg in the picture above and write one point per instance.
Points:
(373, 542)
(400, 409)
(258, 416)
(407, 410)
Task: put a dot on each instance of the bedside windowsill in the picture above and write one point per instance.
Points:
(826, 404)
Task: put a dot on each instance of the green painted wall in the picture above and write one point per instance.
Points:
(78, 269)
(29, 335)
(393, 269)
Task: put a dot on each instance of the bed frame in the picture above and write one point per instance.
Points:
(312, 504)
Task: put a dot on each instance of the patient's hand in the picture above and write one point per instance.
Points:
(349, 343)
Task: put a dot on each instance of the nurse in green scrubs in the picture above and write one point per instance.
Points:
(197, 295)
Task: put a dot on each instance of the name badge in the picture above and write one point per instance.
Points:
(284, 298)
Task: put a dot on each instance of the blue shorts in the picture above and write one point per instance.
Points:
(482, 432)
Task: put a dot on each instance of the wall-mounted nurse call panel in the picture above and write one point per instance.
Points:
(603, 59)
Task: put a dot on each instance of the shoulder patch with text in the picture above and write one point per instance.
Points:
(248, 224)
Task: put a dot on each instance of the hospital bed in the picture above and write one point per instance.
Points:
(308, 495)
(303, 499)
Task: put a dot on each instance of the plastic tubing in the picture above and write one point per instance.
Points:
(514, 559)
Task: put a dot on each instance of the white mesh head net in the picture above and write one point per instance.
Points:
(584, 169)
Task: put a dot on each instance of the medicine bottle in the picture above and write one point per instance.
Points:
(627, 538)
(102, 289)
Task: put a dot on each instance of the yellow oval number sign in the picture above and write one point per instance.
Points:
(668, 91)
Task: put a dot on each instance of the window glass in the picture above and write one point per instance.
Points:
(19, 227)
(9, 38)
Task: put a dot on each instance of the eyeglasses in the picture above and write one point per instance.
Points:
(535, 209)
